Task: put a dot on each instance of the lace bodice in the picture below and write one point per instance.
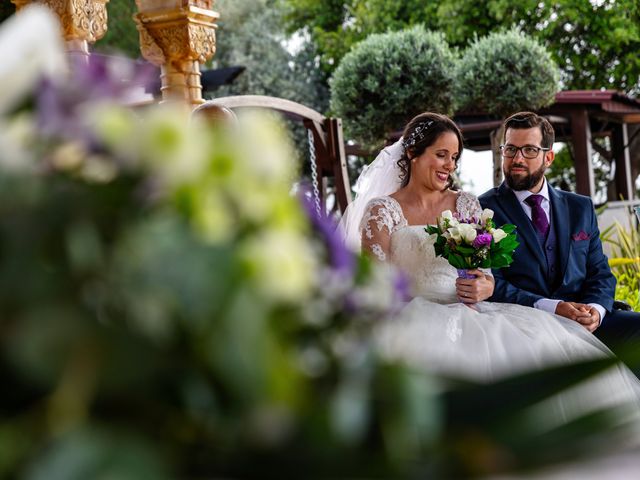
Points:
(411, 248)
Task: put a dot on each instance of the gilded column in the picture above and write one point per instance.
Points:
(83, 22)
(178, 35)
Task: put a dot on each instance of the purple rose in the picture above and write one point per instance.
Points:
(482, 240)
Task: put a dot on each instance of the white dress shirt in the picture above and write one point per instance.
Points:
(547, 304)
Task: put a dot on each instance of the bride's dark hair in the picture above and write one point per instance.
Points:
(419, 134)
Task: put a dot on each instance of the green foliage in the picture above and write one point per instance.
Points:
(122, 34)
(389, 78)
(624, 242)
(506, 72)
(562, 173)
(336, 26)
(595, 44)
(251, 34)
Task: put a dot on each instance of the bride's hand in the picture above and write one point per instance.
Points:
(476, 289)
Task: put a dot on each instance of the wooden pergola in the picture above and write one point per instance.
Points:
(579, 117)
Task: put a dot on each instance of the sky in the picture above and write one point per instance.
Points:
(476, 171)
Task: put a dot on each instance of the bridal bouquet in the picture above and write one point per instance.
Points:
(469, 243)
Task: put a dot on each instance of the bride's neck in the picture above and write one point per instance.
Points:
(422, 207)
(422, 198)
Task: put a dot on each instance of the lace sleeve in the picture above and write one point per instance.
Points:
(468, 205)
(378, 223)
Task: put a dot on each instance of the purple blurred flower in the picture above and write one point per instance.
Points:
(402, 286)
(61, 105)
(482, 240)
(342, 259)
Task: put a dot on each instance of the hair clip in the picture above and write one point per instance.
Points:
(418, 134)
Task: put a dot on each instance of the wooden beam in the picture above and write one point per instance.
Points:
(581, 140)
(620, 151)
(340, 171)
(290, 109)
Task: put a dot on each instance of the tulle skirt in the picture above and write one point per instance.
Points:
(494, 340)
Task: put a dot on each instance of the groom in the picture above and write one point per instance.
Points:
(559, 265)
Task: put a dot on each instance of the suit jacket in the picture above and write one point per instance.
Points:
(584, 274)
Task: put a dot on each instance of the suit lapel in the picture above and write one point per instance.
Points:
(561, 219)
(525, 228)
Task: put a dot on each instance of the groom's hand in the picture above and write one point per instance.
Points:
(593, 320)
(585, 315)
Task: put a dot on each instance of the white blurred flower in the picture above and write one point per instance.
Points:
(30, 47)
(282, 263)
(212, 217)
(378, 294)
(267, 146)
(487, 213)
(170, 143)
(17, 138)
(98, 169)
(117, 127)
(498, 234)
(68, 156)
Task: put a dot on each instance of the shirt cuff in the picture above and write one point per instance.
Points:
(547, 305)
(601, 310)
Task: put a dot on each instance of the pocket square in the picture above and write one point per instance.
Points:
(581, 235)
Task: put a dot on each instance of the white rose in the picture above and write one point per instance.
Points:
(454, 233)
(498, 234)
(447, 215)
(487, 213)
(447, 220)
(468, 232)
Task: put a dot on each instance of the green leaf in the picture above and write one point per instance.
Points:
(457, 261)
(465, 251)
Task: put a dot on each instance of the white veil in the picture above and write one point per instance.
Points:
(380, 178)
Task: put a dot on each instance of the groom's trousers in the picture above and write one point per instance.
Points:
(620, 331)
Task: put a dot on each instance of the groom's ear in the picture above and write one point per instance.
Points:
(549, 157)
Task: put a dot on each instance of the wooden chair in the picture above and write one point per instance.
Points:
(326, 143)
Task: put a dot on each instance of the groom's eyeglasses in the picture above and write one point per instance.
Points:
(510, 151)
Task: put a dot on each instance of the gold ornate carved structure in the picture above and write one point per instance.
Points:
(83, 21)
(177, 36)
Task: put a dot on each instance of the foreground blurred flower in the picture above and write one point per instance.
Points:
(282, 264)
(30, 47)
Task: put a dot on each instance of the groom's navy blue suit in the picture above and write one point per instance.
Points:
(574, 267)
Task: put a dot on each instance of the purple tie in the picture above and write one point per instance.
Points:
(538, 217)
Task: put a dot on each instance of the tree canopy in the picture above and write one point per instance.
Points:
(388, 78)
(595, 43)
(506, 72)
(122, 34)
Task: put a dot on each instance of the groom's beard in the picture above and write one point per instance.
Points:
(525, 182)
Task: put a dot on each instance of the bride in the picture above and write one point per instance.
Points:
(406, 188)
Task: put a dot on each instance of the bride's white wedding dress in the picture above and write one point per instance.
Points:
(437, 333)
